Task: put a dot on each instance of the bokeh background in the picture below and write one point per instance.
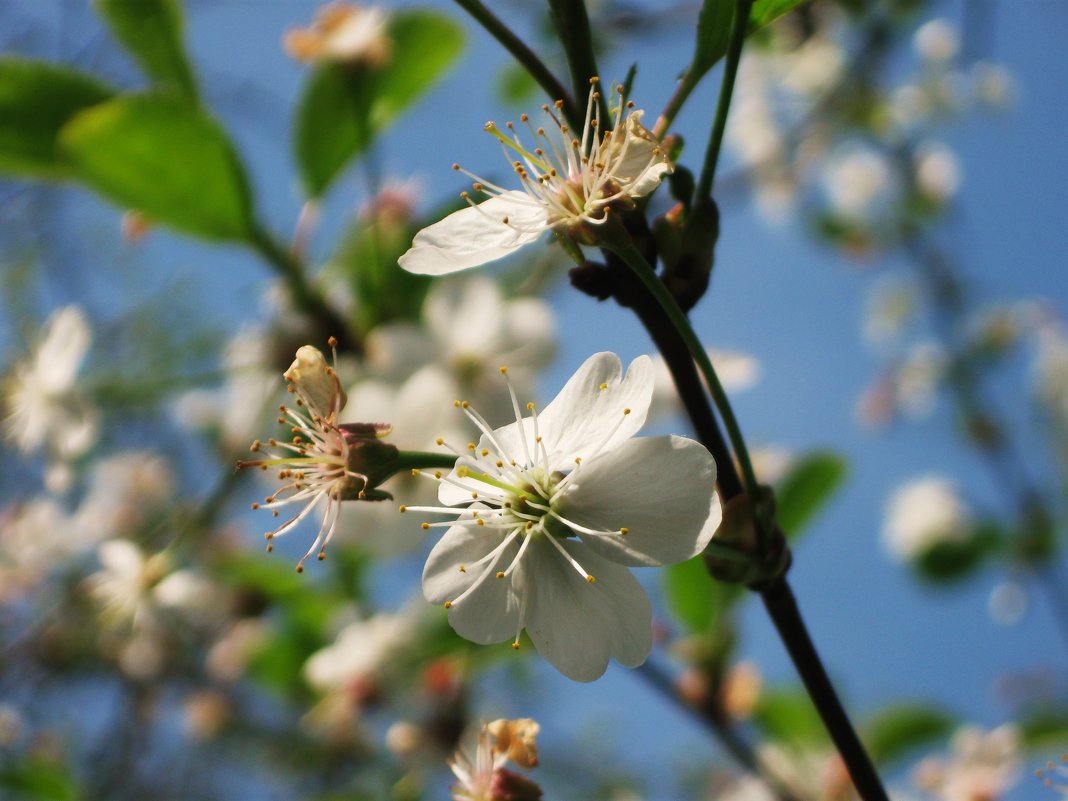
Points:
(794, 301)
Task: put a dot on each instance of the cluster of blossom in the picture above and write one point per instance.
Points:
(849, 173)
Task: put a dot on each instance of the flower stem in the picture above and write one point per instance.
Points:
(424, 460)
(782, 608)
(623, 248)
(776, 594)
(573, 27)
(523, 54)
(713, 719)
(719, 125)
(305, 296)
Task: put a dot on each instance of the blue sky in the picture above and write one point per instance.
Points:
(793, 305)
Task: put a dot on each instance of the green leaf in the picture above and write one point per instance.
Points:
(806, 488)
(952, 560)
(345, 106)
(333, 123)
(696, 599)
(767, 11)
(425, 45)
(37, 779)
(788, 716)
(36, 101)
(714, 27)
(367, 259)
(713, 33)
(159, 154)
(898, 729)
(151, 30)
(1045, 728)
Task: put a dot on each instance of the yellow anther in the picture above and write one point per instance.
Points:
(626, 412)
(448, 604)
(439, 441)
(456, 403)
(500, 574)
(481, 522)
(624, 531)
(591, 579)
(604, 387)
(403, 508)
(530, 406)
(515, 646)
(424, 525)
(463, 569)
(578, 460)
(437, 474)
(504, 370)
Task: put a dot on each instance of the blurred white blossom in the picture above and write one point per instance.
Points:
(856, 178)
(937, 40)
(982, 765)
(922, 513)
(341, 31)
(938, 172)
(45, 407)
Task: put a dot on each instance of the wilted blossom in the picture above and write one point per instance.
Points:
(569, 185)
(346, 32)
(551, 510)
(44, 405)
(484, 776)
(325, 462)
(982, 765)
(922, 513)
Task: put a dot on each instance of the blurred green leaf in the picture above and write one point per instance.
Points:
(151, 30)
(788, 716)
(713, 33)
(767, 11)
(714, 27)
(36, 101)
(345, 106)
(806, 488)
(1045, 728)
(159, 154)
(696, 599)
(367, 258)
(425, 45)
(898, 729)
(952, 560)
(36, 779)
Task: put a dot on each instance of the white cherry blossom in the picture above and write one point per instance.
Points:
(44, 404)
(552, 509)
(325, 462)
(568, 182)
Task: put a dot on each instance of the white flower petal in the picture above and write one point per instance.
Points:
(474, 236)
(577, 626)
(660, 488)
(490, 613)
(465, 316)
(63, 348)
(644, 161)
(581, 418)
